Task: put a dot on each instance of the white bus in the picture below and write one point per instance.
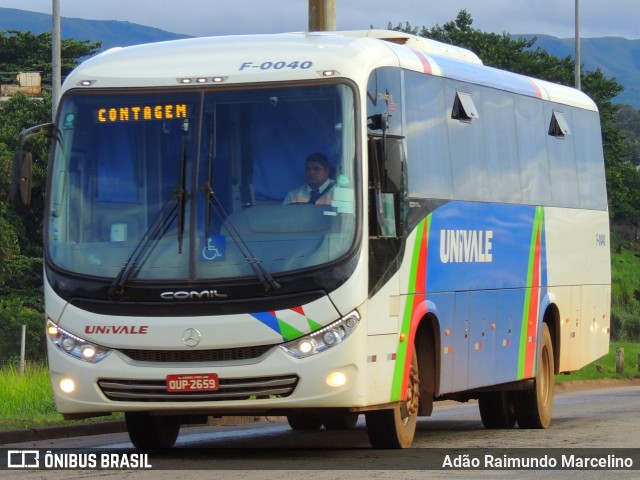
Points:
(461, 250)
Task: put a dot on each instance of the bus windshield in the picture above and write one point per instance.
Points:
(202, 184)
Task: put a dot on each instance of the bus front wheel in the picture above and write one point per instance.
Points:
(396, 428)
(150, 432)
(340, 421)
(534, 407)
(304, 421)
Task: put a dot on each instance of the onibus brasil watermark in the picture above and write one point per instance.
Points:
(36, 459)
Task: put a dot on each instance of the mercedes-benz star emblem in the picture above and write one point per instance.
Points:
(191, 337)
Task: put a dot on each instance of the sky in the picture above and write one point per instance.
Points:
(598, 18)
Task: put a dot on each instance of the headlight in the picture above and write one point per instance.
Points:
(75, 346)
(323, 339)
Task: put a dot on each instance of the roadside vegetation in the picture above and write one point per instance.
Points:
(605, 368)
(26, 400)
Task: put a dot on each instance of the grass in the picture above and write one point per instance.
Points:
(26, 401)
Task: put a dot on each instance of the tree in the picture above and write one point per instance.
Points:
(21, 232)
(16, 114)
(628, 121)
(519, 55)
(26, 52)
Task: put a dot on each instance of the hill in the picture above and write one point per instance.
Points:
(616, 57)
(111, 33)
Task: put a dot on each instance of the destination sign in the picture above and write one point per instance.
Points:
(141, 113)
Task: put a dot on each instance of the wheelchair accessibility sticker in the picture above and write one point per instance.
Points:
(214, 249)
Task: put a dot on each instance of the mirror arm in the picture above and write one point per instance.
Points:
(27, 134)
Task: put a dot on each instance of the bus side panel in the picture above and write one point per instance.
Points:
(482, 267)
(507, 333)
(483, 312)
(584, 324)
(579, 273)
(597, 302)
(480, 337)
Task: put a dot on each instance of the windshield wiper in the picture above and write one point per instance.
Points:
(155, 232)
(180, 192)
(261, 273)
(172, 208)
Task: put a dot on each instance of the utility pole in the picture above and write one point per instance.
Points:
(55, 59)
(578, 61)
(322, 15)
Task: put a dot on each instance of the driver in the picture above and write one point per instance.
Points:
(319, 187)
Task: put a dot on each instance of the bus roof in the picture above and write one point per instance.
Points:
(296, 56)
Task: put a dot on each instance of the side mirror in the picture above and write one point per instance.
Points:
(21, 178)
(379, 121)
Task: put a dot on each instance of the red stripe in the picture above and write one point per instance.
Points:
(536, 89)
(426, 65)
(534, 302)
(418, 303)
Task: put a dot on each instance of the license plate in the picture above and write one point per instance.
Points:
(204, 382)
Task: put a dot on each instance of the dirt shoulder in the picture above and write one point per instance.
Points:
(578, 385)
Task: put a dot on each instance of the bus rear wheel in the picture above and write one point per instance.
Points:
(150, 432)
(497, 410)
(534, 407)
(396, 428)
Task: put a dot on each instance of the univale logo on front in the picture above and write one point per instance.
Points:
(116, 329)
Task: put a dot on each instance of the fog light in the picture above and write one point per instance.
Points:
(67, 385)
(336, 379)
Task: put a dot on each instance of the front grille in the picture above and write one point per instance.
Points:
(219, 355)
(230, 389)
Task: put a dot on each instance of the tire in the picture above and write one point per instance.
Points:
(497, 410)
(534, 407)
(152, 432)
(304, 422)
(340, 421)
(396, 428)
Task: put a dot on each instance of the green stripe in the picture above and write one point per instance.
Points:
(537, 225)
(401, 354)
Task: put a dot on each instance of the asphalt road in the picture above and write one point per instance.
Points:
(603, 418)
